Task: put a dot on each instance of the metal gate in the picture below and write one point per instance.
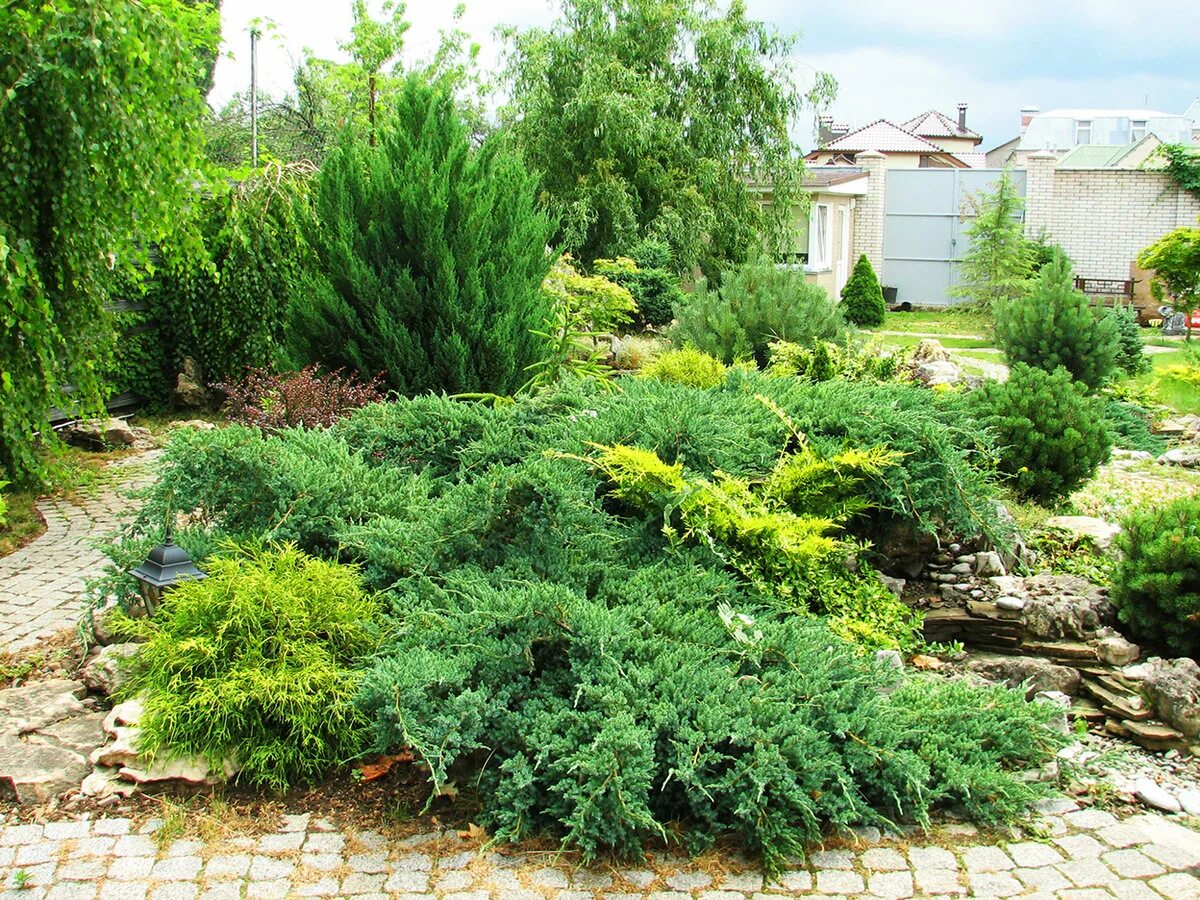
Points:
(926, 214)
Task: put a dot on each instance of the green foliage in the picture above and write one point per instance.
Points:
(1055, 325)
(1156, 588)
(686, 366)
(1062, 553)
(227, 307)
(645, 118)
(756, 303)
(1183, 165)
(140, 361)
(1052, 436)
(254, 665)
(651, 280)
(1174, 260)
(3, 505)
(862, 297)
(999, 261)
(826, 360)
(1131, 358)
(610, 719)
(1129, 425)
(91, 180)
(431, 254)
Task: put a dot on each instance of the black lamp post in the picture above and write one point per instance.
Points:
(167, 565)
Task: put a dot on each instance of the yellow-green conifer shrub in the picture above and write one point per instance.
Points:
(687, 366)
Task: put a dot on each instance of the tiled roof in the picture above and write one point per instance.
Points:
(884, 136)
(932, 123)
(827, 176)
(973, 160)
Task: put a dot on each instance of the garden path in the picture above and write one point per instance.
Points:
(42, 584)
(1078, 854)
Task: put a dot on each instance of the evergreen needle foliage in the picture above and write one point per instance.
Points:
(1156, 588)
(1055, 325)
(686, 366)
(999, 260)
(862, 297)
(431, 253)
(253, 665)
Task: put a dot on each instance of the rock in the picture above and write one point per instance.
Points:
(1116, 651)
(1173, 686)
(1063, 702)
(1099, 532)
(104, 672)
(988, 564)
(189, 390)
(105, 782)
(204, 425)
(1189, 799)
(1065, 607)
(127, 713)
(1155, 796)
(39, 704)
(190, 770)
(1039, 675)
(33, 772)
(1007, 584)
(1135, 455)
(935, 373)
(890, 658)
(895, 585)
(961, 569)
(101, 434)
(930, 350)
(1187, 457)
(121, 752)
(1013, 604)
(81, 734)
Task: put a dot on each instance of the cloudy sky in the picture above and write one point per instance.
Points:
(892, 58)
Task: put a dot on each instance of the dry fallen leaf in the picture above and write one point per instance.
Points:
(474, 832)
(920, 661)
(381, 766)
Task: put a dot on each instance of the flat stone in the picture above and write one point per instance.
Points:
(986, 859)
(34, 772)
(1099, 532)
(1155, 796)
(1030, 854)
(1189, 799)
(120, 752)
(838, 881)
(39, 704)
(1010, 603)
(884, 859)
(1130, 863)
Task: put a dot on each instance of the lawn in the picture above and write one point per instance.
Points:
(951, 320)
(1181, 396)
(904, 341)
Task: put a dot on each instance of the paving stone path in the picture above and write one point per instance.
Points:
(1080, 854)
(42, 584)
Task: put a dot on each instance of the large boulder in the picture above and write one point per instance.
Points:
(189, 390)
(1173, 686)
(101, 434)
(1037, 674)
(1090, 528)
(34, 771)
(1065, 607)
(104, 672)
(936, 373)
(1186, 457)
(930, 350)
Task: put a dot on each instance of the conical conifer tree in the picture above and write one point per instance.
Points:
(862, 297)
(431, 255)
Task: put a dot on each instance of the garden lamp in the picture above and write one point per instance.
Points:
(166, 566)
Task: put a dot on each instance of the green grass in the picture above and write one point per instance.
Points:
(1178, 395)
(952, 320)
(904, 341)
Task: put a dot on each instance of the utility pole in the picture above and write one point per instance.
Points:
(254, 96)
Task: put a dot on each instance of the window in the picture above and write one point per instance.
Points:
(819, 238)
(1083, 131)
(1137, 129)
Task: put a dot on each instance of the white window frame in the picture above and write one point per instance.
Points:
(820, 239)
(1137, 129)
(1081, 126)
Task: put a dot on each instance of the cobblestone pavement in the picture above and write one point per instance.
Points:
(41, 585)
(1079, 855)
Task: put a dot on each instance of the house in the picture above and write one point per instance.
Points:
(1138, 155)
(928, 140)
(1060, 131)
(1193, 113)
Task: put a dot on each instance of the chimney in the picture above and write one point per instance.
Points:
(841, 130)
(824, 130)
(962, 117)
(1027, 114)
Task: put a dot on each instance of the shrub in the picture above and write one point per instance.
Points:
(1129, 425)
(862, 297)
(3, 505)
(756, 303)
(635, 351)
(1130, 356)
(1052, 436)
(308, 398)
(999, 259)
(651, 280)
(826, 360)
(1055, 325)
(642, 712)
(686, 366)
(1156, 589)
(254, 665)
(431, 254)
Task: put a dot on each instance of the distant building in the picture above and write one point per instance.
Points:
(928, 140)
(1060, 131)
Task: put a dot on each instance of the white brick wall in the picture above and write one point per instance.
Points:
(1104, 217)
(868, 213)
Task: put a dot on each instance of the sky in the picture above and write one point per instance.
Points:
(892, 58)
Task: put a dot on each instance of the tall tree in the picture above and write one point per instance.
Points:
(998, 265)
(653, 118)
(1175, 261)
(99, 145)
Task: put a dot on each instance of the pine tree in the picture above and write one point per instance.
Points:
(431, 256)
(862, 297)
(1055, 325)
(999, 262)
